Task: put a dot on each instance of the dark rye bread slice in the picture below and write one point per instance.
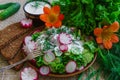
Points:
(11, 39)
(11, 33)
(17, 58)
(11, 49)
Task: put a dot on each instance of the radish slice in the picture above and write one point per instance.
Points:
(27, 39)
(49, 57)
(71, 67)
(64, 38)
(44, 70)
(28, 74)
(29, 43)
(57, 51)
(26, 23)
(30, 46)
(63, 48)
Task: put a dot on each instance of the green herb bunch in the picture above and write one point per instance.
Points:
(88, 14)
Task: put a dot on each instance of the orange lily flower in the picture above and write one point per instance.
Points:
(106, 35)
(52, 16)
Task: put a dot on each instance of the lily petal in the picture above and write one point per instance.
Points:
(99, 40)
(44, 17)
(46, 10)
(107, 44)
(48, 25)
(61, 16)
(97, 31)
(56, 9)
(114, 27)
(57, 24)
(114, 38)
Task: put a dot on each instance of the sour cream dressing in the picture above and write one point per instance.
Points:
(30, 7)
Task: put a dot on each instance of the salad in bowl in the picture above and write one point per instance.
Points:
(62, 51)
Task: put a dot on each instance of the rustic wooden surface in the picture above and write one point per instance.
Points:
(15, 75)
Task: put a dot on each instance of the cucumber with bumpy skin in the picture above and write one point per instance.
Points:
(9, 11)
(6, 5)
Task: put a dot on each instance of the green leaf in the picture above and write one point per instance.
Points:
(86, 1)
(80, 76)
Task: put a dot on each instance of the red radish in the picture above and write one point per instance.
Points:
(27, 39)
(28, 74)
(32, 45)
(63, 48)
(29, 46)
(44, 70)
(70, 67)
(29, 43)
(64, 38)
(26, 23)
(49, 57)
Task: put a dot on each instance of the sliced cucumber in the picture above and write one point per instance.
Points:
(6, 5)
(9, 11)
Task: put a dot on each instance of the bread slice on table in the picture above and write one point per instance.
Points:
(11, 39)
(17, 58)
(12, 52)
(10, 33)
(11, 49)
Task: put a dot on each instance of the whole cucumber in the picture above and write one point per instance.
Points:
(9, 11)
(6, 5)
